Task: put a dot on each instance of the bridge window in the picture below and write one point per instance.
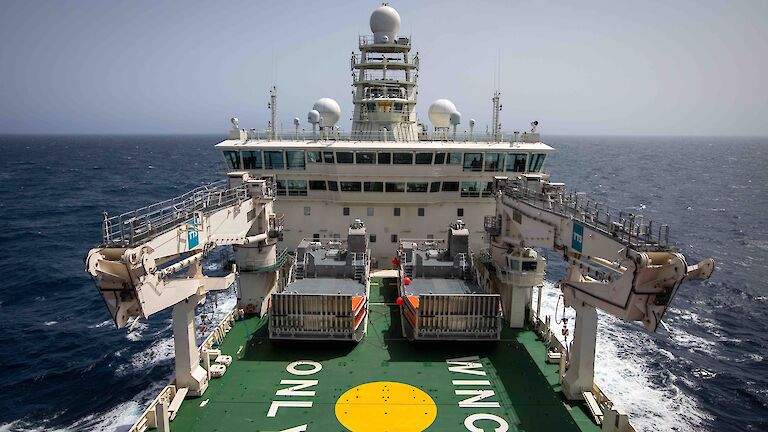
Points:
(516, 162)
(470, 189)
(488, 189)
(395, 187)
(423, 158)
(344, 157)
(493, 161)
(314, 157)
(402, 158)
(333, 185)
(365, 157)
(295, 159)
(297, 188)
(373, 186)
(328, 157)
(397, 211)
(280, 185)
(473, 161)
(233, 159)
(345, 211)
(453, 159)
(317, 185)
(385, 158)
(536, 161)
(434, 187)
(274, 160)
(418, 187)
(421, 211)
(460, 212)
(252, 159)
(439, 158)
(450, 186)
(350, 186)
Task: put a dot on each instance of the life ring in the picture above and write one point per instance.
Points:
(250, 308)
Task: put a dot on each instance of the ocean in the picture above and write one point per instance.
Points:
(65, 366)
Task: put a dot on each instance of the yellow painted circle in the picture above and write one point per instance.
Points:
(385, 406)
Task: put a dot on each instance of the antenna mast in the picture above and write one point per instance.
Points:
(496, 109)
(273, 113)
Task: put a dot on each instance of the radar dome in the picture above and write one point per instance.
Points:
(455, 118)
(313, 117)
(329, 110)
(385, 23)
(440, 113)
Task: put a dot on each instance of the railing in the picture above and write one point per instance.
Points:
(359, 60)
(140, 225)
(365, 40)
(628, 228)
(331, 134)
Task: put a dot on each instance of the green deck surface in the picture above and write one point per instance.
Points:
(526, 388)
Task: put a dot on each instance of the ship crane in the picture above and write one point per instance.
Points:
(138, 268)
(618, 263)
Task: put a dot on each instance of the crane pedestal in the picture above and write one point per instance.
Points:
(189, 373)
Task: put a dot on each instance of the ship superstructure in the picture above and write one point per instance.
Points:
(328, 332)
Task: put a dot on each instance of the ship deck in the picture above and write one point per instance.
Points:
(384, 383)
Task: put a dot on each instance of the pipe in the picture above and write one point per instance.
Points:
(255, 239)
(186, 262)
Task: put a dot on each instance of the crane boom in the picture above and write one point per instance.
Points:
(618, 262)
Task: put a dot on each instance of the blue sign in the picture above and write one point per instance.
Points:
(192, 235)
(577, 242)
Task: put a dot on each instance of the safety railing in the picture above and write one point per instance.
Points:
(137, 226)
(366, 40)
(332, 134)
(628, 228)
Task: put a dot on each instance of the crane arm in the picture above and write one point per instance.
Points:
(143, 250)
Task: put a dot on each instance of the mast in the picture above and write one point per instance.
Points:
(384, 78)
(273, 113)
(496, 120)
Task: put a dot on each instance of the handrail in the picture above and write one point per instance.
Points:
(329, 134)
(628, 228)
(133, 227)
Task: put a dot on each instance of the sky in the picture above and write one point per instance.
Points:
(578, 67)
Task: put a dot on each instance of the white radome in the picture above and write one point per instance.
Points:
(385, 23)
(329, 110)
(440, 113)
(455, 118)
(313, 117)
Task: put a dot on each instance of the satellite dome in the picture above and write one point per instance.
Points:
(385, 23)
(313, 117)
(440, 113)
(455, 118)
(329, 110)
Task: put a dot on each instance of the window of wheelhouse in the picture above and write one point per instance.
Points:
(402, 158)
(233, 159)
(418, 187)
(317, 185)
(314, 157)
(333, 185)
(297, 187)
(453, 159)
(385, 158)
(493, 162)
(252, 159)
(274, 160)
(423, 158)
(281, 186)
(473, 161)
(439, 158)
(470, 189)
(536, 161)
(516, 162)
(295, 159)
(344, 157)
(373, 186)
(365, 157)
(328, 157)
(347, 186)
(395, 187)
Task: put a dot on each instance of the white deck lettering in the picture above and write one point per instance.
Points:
(474, 401)
(296, 390)
(293, 368)
(276, 405)
(471, 382)
(301, 428)
(469, 422)
(466, 365)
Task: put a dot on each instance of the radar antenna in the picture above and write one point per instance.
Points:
(534, 125)
(272, 105)
(496, 120)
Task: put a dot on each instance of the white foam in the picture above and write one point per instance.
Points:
(159, 351)
(50, 323)
(624, 368)
(101, 324)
